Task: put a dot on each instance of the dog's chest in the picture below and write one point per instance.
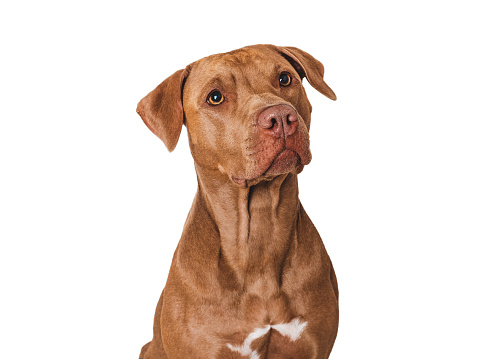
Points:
(283, 340)
(261, 329)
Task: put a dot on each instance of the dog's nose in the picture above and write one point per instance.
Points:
(278, 120)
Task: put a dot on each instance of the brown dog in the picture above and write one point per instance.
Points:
(250, 277)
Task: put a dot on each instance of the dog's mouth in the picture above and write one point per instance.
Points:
(285, 161)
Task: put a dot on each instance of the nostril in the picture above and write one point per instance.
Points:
(268, 122)
(272, 123)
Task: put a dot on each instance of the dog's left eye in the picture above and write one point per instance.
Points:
(285, 79)
(215, 98)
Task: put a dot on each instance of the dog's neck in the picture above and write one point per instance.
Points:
(256, 225)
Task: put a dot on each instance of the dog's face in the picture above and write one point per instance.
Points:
(246, 111)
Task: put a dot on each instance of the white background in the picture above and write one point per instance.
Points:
(92, 204)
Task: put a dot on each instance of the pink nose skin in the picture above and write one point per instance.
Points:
(278, 121)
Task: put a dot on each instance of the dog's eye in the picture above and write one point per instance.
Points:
(285, 79)
(215, 98)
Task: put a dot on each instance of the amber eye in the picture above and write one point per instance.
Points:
(285, 79)
(215, 98)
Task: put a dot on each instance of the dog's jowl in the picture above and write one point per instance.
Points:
(250, 277)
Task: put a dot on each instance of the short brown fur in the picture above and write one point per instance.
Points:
(249, 255)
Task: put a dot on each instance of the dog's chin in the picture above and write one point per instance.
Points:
(288, 161)
(285, 162)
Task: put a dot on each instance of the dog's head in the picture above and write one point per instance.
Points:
(246, 111)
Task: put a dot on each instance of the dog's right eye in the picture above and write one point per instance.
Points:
(285, 79)
(215, 98)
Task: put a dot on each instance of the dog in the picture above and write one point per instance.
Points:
(250, 277)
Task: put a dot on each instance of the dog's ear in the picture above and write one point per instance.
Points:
(162, 109)
(307, 66)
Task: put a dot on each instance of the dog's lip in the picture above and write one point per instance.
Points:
(285, 152)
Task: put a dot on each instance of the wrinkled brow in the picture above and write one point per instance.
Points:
(227, 80)
(221, 83)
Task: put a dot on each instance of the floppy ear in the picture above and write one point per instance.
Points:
(162, 109)
(307, 66)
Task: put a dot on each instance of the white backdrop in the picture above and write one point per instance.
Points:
(92, 204)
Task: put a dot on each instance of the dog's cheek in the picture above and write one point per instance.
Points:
(199, 139)
(210, 141)
(304, 111)
(304, 108)
(307, 119)
(232, 146)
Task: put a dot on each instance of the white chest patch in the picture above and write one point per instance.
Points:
(292, 330)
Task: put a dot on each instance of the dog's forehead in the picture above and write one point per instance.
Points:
(246, 56)
(245, 61)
